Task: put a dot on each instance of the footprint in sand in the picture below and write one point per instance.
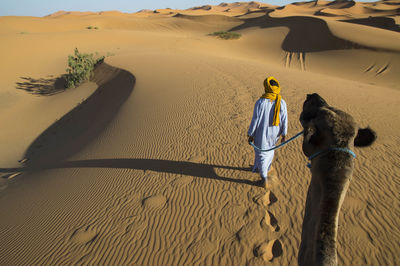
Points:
(272, 177)
(22, 161)
(269, 251)
(154, 202)
(266, 199)
(197, 159)
(203, 247)
(11, 176)
(182, 181)
(382, 69)
(84, 235)
(270, 221)
(249, 234)
(133, 225)
(232, 210)
(194, 128)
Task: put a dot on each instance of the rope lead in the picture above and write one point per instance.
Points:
(280, 145)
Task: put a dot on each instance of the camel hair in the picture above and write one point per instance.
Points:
(325, 130)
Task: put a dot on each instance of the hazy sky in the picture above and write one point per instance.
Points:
(45, 7)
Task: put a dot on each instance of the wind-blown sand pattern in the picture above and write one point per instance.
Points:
(148, 164)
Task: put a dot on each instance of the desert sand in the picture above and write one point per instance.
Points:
(148, 163)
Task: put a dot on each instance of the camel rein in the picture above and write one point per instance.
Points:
(328, 150)
(312, 156)
(280, 145)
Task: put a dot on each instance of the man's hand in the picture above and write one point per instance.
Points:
(251, 139)
(283, 139)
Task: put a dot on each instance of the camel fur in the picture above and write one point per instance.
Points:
(326, 127)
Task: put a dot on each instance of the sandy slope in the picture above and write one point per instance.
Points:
(148, 163)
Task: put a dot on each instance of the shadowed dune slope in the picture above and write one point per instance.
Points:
(208, 18)
(82, 125)
(378, 22)
(306, 34)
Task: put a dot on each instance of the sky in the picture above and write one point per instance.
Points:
(45, 7)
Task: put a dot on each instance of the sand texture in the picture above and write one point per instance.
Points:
(148, 163)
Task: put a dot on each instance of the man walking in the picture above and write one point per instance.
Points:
(268, 123)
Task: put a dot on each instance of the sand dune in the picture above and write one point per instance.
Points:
(346, 9)
(69, 134)
(147, 164)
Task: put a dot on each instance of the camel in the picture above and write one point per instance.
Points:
(329, 136)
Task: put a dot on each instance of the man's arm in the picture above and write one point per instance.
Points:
(284, 122)
(254, 122)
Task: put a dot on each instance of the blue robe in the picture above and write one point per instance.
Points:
(265, 135)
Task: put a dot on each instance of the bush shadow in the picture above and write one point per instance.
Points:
(42, 86)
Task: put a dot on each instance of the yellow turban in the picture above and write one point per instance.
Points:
(272, 93)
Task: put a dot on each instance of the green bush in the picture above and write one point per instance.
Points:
(80, 68)
(226, 35)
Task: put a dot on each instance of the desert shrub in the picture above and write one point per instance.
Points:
(80, 68)
(92, 28)
(226, 35)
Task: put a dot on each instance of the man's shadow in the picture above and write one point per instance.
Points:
(165, 166)
(157, 165)
(83, 124)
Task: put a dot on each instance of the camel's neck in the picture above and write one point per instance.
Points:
(324, 200)
(326, 228)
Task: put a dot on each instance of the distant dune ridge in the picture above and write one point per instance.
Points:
(148, 163)
(340, 8)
